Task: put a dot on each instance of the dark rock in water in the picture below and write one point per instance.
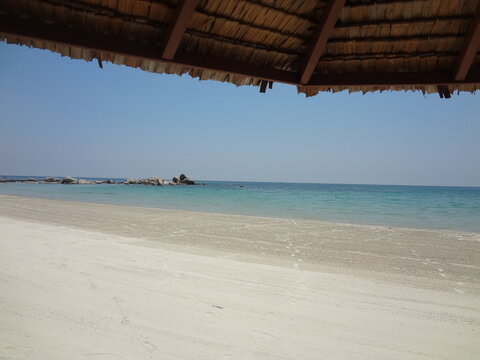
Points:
(31, 180)
(51, 180)
(69, 180)
(183, 180)
(242, 185)
(187, 181)
(105, 182)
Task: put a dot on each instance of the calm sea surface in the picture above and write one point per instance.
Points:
(456, 208)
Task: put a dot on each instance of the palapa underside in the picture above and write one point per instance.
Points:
(259, 42)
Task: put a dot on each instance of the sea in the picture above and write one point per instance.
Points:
(433, 207)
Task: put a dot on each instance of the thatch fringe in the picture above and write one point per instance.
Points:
(370, 35)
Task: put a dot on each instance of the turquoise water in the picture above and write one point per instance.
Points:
(456, 208)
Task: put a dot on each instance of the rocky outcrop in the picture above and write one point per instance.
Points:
(182, 179)
(69, 180)
(154, 181)
(72, 181)
(85, 182)
(105, 182)
(132, 181)
(51, 180)
(185, 180)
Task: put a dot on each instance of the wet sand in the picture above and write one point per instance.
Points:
(81, 280)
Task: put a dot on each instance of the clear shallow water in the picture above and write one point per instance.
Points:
(456, 208)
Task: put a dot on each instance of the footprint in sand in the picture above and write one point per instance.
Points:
(263, 336)
(268, 315)
(149, 346)
(225, 357)
(118, 300)
(125, 320)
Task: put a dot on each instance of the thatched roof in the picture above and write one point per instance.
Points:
(329, 45)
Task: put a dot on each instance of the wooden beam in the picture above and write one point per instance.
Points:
(388, 79)
(180, 21)
(317, 48)
(28, 29)
(469, 49)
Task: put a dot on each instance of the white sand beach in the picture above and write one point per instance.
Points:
(92, 281)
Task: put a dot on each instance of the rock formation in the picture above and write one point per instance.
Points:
(156, 181)
(51, 180)
(69, 180)
(182, 179)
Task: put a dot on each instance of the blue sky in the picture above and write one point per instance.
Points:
(69, 117)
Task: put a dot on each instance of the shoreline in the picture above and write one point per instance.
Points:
(387, 252)
(321, 222)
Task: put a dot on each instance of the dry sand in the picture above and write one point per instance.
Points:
(90, 281)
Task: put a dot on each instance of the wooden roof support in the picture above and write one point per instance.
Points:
(384, 80)
(180, 21)
(317, 48)
(95, 42)
(263, 86)
(469, 49)
(444, 92)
